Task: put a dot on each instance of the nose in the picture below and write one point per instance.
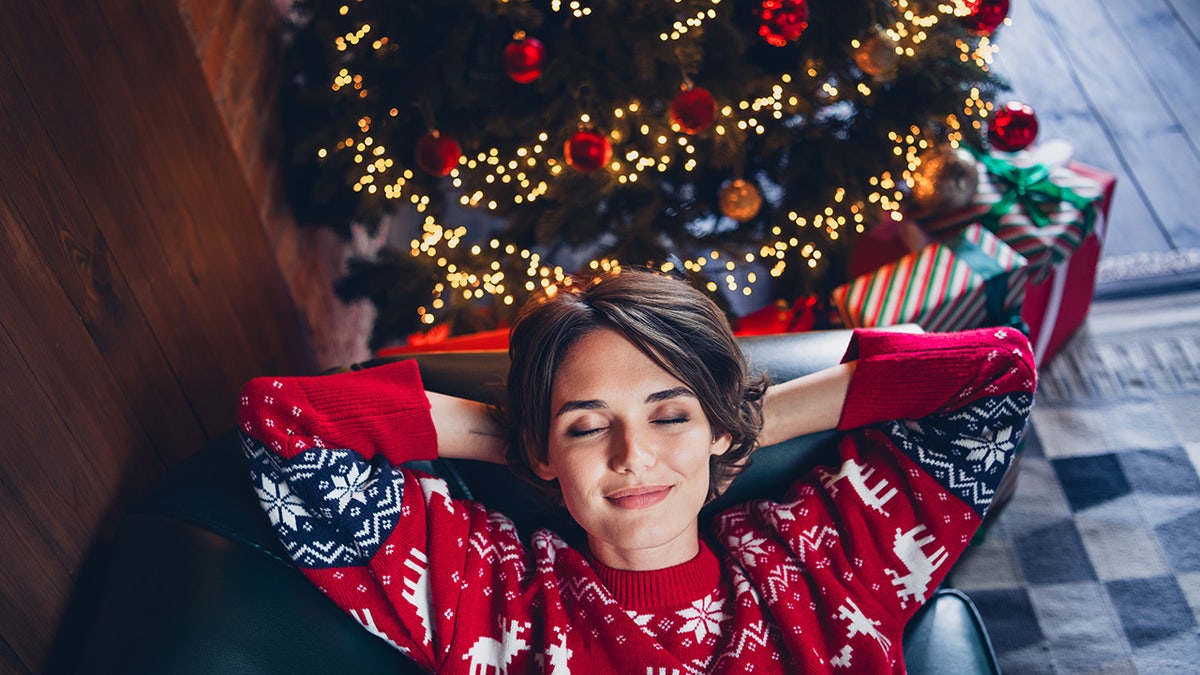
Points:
(630, 451)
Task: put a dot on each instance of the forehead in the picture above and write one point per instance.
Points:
(604, 359)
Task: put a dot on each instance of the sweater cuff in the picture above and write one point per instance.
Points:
(904, 375)
(382, 408)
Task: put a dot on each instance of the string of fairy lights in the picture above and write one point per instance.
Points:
(646, 145)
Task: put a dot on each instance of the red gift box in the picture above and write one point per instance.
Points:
(1058, 305)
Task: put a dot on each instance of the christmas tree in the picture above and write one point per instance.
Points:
(742, 144)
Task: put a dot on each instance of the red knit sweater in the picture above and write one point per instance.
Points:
(822, 581)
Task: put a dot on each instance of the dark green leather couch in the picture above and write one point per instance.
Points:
(197, 583)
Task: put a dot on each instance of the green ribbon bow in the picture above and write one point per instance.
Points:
(1032, 188)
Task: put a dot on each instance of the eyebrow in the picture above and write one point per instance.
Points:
(596, 404)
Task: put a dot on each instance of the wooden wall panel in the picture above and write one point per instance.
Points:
(138, 290)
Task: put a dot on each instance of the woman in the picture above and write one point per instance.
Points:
(630, 400)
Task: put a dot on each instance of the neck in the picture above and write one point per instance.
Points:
(680, 549)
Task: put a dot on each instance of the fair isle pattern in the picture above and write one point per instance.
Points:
(932, 287)
(985, 433)
(357, 503)
(1044, 247)
(698, 626)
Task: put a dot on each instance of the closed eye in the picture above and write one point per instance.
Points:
(673, 420)
(580, 433)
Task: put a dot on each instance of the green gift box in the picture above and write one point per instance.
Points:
(966, 280)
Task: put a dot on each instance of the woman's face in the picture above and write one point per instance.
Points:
(629, 445)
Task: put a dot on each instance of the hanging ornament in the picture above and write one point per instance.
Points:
(945, 181)
(739, 200)
(437, 155)
(1014, 126)
(985, 15)
(693, 110)
(587, 151)
(876, 54)
(524, 58)
(783, 21)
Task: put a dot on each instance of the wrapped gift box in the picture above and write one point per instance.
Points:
(1057, 303)
(1057, 306)
(969, 279)
(1034, 200)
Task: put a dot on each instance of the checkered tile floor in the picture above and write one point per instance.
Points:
(1094, 566)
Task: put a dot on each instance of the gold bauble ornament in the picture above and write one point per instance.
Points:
(876, 54)
(946, 180)
(740, 200)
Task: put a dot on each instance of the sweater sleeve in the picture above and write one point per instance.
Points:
(932, 423)
(387, 544)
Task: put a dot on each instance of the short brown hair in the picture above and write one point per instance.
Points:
(674, 324)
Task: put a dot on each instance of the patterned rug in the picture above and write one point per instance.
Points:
(1094, 566)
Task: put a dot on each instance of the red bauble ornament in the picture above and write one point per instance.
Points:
(587, 151)
(524, 59)
(437, 155)
(986, 15)
(1013, 127)
(783, 20)
(693, 110)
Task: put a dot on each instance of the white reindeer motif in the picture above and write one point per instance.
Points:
(416, 591)
(874, 497)
(907, 548)
(860, 624)
(491, 653)
(558, 654)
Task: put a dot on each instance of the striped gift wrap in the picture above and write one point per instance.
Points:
(942, 287)
(1065, 225)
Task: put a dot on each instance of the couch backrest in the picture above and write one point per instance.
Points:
(480, 375)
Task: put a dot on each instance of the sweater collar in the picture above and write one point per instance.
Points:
(664, 588)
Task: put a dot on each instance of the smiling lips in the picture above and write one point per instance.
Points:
(639, 497)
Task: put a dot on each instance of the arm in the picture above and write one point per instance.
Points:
(805, 405)
(933, 422)
(388, 545)
(466, 429)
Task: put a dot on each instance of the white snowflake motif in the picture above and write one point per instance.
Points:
(296, 411)
(279, 503)
(642, 620)
(350, 487)
(750, 547)
(991, 447)
(703, 618)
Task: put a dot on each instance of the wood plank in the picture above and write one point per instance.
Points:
(168, 198)
(1188, 12)
(1041, 75)
(68, 480)
(9, 661)
(40, 509)
(79, 257)
(162, 267)
(1163, 165)
(1168, 55)
(239, 255)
